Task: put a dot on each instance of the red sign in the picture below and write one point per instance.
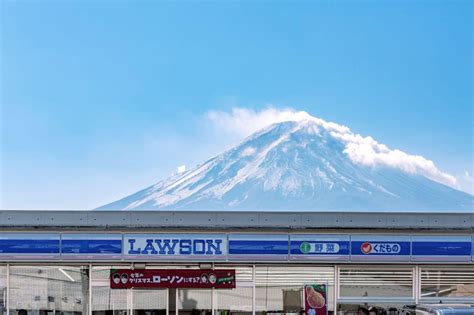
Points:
(315, 299)
(172, 278)
(366, 248)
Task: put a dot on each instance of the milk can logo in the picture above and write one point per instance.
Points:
(380, 248)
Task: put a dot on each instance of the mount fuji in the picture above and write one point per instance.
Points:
(305, 165)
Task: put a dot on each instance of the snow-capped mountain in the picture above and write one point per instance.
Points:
(303, 165)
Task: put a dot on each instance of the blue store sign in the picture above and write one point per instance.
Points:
(236, 247)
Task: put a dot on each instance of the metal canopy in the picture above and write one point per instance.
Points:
(14, 219)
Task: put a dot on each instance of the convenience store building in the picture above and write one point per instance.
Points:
(64, 262)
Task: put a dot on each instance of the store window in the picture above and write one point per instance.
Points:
(149, 301)
(194, 301)
(442, 284)
(106, 301)
(238, 300)
(373, 291)
(3, 290)
(361, 283)
(280, 289)
(46, 290)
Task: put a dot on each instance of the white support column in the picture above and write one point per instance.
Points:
(7, 304)
(131, 301)
(336, 288)
(213, 301)
(167, 301)
(416, 284)
(254, 291)
(176, 302)
(90, 289)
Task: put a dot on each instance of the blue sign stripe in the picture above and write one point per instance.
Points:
(441, 248)
(260, 247)
(361, 247)
(96, 246)
(26, 246)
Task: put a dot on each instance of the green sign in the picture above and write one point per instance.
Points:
(305, 247)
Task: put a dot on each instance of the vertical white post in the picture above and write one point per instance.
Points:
(416, 284)
(336, 288)
(176, 302)
(7, 304)
(131, 301)
(254, 291)
(167, 301)
(90, 289)
(213, 300)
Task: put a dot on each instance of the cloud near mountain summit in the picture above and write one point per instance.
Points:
(360, 149)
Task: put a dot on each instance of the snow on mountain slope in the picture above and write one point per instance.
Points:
(303, 165)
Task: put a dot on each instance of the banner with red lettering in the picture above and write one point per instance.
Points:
(315, 299)
(172, 278)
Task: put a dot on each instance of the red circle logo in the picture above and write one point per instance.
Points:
(366, 248)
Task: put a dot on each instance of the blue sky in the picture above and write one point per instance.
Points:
(102, 98)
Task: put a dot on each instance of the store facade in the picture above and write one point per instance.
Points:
(64, 263)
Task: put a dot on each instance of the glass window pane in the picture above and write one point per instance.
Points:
(439, 283)
(280, 288)
(43, 289)
(3, 289)
(149, 302)
(357, 282)
(238, 300)
(194, 301)
(106, 301)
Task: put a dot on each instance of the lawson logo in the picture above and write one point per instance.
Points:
(380, 248)
(174, 245)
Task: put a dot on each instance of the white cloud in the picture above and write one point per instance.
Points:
(244, 122)
(181, 169)
(361, 150)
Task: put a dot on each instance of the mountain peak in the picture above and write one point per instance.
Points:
(304, 164)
